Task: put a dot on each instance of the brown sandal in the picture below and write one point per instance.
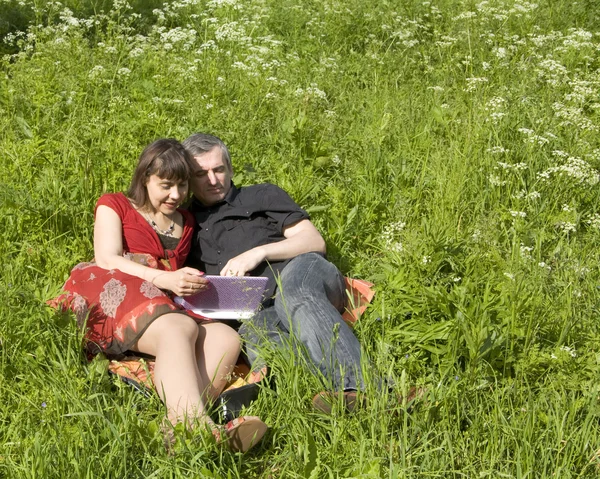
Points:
(242, 433)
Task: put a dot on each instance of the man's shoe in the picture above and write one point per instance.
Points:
(354, 400)
(325, 400)
(413, 394)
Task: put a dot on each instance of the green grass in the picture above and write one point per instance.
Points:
(433, 144)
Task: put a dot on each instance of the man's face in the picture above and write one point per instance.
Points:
(211, 179)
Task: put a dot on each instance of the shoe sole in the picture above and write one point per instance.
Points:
(324, 403)
(247, 435)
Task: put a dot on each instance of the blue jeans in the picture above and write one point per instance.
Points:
(308, 306)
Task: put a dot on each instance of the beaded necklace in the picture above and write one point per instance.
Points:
(167, 232)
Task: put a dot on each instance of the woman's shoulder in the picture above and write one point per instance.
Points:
(115, 201)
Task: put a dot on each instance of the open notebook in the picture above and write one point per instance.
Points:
(227, 297)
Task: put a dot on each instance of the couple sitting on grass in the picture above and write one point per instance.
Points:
(147, 250)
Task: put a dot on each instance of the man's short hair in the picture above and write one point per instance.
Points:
(200, 143)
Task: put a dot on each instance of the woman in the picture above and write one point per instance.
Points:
(124, 297)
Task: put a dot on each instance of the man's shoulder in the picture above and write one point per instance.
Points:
(260, 191)
(259, 187)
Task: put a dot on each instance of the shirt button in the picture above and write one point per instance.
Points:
(218, 252)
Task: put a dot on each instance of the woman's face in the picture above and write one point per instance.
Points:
(165, 195)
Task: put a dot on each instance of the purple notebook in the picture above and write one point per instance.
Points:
(227, 297)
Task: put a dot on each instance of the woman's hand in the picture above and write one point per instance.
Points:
(183, 282)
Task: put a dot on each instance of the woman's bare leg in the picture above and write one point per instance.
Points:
(172, 340)
(217, 350)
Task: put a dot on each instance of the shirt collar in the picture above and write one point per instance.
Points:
(231, 194)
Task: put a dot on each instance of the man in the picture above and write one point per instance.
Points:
(258, 230)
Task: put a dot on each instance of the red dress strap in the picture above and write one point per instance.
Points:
(139, 237)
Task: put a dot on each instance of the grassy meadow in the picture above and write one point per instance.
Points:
(448, 151)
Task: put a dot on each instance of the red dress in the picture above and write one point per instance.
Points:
(115, 307)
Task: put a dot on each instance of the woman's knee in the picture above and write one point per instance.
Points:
(183, 325)
(168, 328)
(224, 335)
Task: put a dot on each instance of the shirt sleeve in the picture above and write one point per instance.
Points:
(114, 201)
(280, 207)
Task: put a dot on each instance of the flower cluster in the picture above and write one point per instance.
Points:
(474, 82)
(391, 236)
(495, 106)
(532, 138)
(578, 170)
(311, 92)
(594, 221)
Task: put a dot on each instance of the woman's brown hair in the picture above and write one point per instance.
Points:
(165, 158)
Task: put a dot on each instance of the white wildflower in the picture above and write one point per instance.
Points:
(566, 227)
(560, 154)
(525, 251)
(465, 16)
(96, 71)
(136, 52)
(594, 221)
(575, 168)
(573, 116)
(500, 52)
(509, 166)
(391, 234)
(569, 350)
(473, 82)
(496, 181)
(497, 150)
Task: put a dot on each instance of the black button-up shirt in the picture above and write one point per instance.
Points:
(247, 217)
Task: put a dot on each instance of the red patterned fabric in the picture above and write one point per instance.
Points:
(115, 307)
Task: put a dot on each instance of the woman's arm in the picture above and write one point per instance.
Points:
(108, 251)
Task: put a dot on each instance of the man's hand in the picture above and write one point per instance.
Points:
(244, 263)
(183, 282)
(301, 237)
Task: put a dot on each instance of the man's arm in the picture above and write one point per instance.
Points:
(301, 237)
